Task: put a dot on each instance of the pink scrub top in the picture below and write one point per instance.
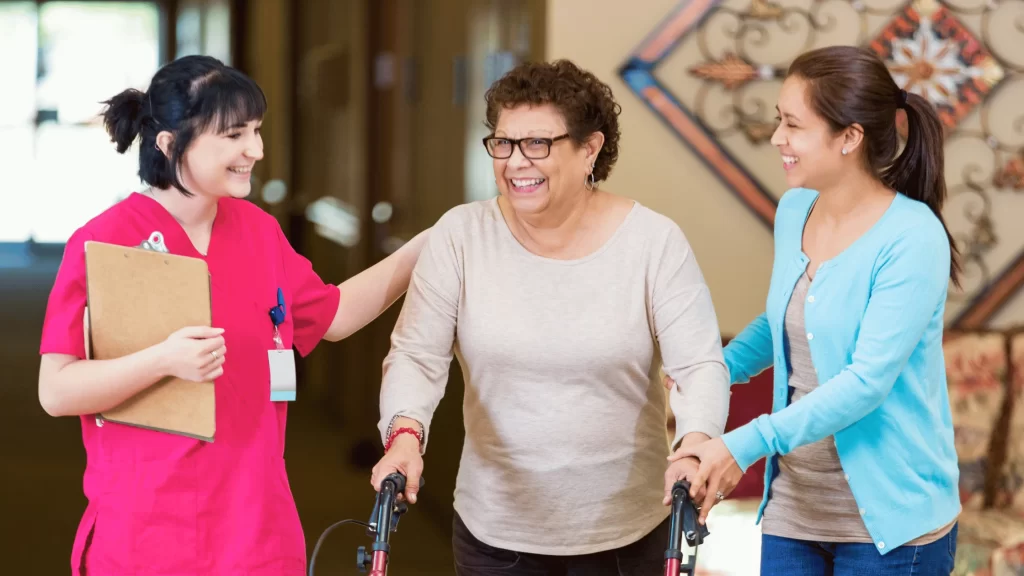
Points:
(166, 505)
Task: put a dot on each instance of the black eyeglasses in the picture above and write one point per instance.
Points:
(534, 147)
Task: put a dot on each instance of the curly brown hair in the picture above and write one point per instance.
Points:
(585, 102)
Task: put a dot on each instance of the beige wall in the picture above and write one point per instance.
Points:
(732, 246)
(655, 168)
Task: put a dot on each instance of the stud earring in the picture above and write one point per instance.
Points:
(844, 151)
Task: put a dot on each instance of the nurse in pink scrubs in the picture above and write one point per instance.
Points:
(162, 504)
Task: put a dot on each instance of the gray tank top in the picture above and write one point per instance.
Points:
(810, 498)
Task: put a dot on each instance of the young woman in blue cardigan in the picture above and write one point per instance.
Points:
(862, 474)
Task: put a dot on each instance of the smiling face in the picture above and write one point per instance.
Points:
(535, 185)
(220, 164)
(811, 152)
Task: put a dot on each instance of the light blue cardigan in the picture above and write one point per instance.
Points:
(874, 319)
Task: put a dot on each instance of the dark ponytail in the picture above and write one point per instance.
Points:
(188, 97)
(919, 170)
(123, 118)
(850, 85)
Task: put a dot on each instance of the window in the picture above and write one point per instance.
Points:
(60, 61)
(204, 27)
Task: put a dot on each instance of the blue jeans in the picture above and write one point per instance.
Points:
(789, 557)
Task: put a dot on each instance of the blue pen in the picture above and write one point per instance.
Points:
(277, 315)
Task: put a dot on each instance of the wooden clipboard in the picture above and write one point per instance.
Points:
(136, 298)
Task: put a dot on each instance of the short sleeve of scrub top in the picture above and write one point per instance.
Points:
(63, 326)
(314, 303)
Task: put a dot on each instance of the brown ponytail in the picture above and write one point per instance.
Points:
(851, 85)
(918, 172)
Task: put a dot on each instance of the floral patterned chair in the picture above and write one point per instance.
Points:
(986, 386)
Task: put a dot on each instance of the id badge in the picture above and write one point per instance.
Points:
(282, 375)
(282, 371)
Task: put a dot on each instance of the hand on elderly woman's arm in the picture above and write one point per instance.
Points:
(684, 468)
(717, 473)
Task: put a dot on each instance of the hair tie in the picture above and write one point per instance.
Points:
(901, 99)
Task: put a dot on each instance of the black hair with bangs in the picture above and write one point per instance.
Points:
(187, 97)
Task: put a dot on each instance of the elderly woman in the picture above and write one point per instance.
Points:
(556, 296)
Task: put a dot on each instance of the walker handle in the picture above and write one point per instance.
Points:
(683, 524)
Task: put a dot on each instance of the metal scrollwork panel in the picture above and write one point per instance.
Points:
(712, 71)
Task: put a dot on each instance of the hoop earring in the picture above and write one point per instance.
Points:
(589, 183)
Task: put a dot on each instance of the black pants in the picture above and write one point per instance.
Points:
(474, 558)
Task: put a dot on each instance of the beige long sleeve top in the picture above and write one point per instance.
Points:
(565, 419)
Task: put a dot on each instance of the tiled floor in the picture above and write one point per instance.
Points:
(734, 546)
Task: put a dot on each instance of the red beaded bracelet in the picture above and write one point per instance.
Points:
(391, 439)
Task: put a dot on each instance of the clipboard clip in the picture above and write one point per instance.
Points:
(155, 243)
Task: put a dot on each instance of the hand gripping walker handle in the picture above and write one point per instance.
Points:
(683, 523)
(383, 521)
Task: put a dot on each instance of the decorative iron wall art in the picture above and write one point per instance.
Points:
(712, 68)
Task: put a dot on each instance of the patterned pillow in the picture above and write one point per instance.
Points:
(973, 559)
(976, 368)
(989, 543)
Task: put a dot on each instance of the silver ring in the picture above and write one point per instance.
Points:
(720, 496)
(215, 355)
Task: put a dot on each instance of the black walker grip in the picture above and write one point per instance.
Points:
(683, 523)
(387, 498)
(693, 530)
(397, 479)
